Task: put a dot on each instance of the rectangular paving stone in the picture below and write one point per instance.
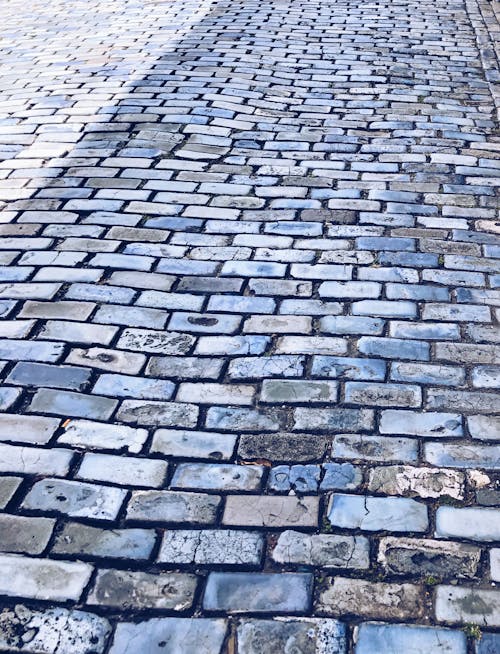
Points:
(366, 393)
(75, 499)
(41, 374)
(351, 325)
(295, 391)
(413, 423)
(277, 447)
(57, 309)
(348, 368)
(270, 511)
(67, 403)
(87, 434)
(231, 345)
(324, 550)
(122, 470)
(419, 557)
(135, 387)
(183, 367)
(64, 330)
(394, 348)
(107, 359)
(211, 547)
(172, 507)
(488, 644)
(42, 579)
(207, 393)
(310, 635)
(473, 523)
(377, 513)
(34, 460)
(369, 599)
(44, 351)
(337, 420)
(210, 323)
(139, 590)
(242, 419)
(280, 365)
(193, 444)
(310, 345)
(36, 430)
(169, 414)
(213, 476)
(84, 540)
(462, 454)
(156, 342)
(376, 637)
(8, 487)
(171, 636)
(468, 606)
(417, 482)
(484, 427)
(240, 592)
(24, 535)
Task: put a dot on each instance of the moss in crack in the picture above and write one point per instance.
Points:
(473, 631)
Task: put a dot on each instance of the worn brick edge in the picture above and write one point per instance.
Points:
(484, 16)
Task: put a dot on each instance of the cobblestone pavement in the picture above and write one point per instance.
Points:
(249, 290)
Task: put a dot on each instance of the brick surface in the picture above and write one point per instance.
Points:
(249, 302)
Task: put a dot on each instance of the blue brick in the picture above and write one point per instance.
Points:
(348, 368)
(394, 348)
(380, 638)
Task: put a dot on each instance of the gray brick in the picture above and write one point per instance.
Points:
(139, 590)
(193, 444)
(468, 606)
(24, 535)
(270, 511)
(310, 635)
(327, 551)
(42, 579)
(172, 507)
(369, 599)
(170, 414)
(338, 420)
(418, 557)
(97, 435)
(27, 429)
(79, 539)
(348, 368)
(8, 487)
